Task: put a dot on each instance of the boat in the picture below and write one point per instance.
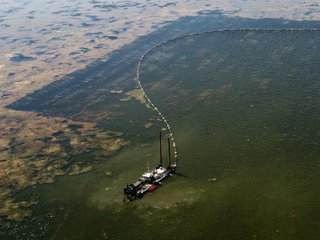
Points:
(150, 180)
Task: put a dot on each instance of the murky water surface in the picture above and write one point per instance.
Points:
(245, 110)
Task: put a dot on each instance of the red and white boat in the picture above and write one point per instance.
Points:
(150, 179)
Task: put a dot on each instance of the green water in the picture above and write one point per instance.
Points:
(245, 110)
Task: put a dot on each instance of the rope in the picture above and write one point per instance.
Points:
(174, 38)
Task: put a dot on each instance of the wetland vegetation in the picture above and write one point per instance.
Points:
(244, 107)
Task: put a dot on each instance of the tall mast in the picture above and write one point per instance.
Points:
(160, 164)
(169, 152)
